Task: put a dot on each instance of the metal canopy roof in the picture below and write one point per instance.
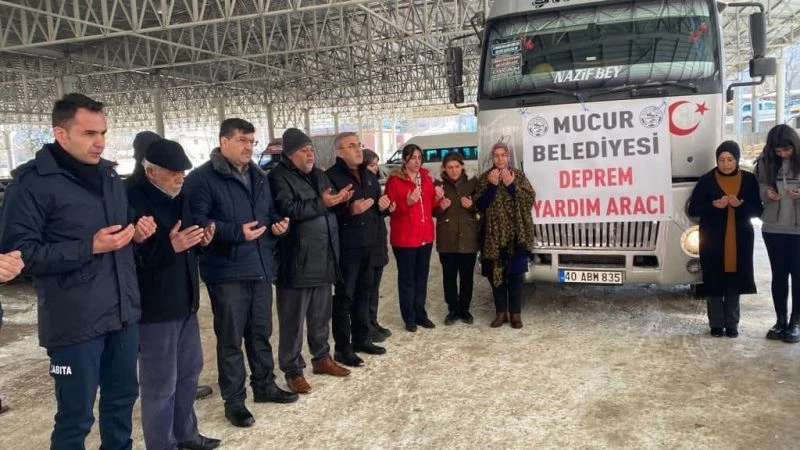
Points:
(350, 57)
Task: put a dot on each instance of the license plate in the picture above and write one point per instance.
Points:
(590, 276)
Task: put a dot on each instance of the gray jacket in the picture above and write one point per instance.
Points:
(780, 216)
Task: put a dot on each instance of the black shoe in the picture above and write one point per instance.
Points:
(375, 336)
(731, 332)
(384, 331)
(466, 317)
(777, 332)
(717, 332)
(369, 348)
(411, 327)
(426, 324)
(200, 443)
(274, 394)
(203, 392)
(451, 318)
(348, 359)
(239, 416)
(792, 333)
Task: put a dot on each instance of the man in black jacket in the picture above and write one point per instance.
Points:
(171, 356)
(308, 259)
(238, 267)
(67, 212)
(359, 225)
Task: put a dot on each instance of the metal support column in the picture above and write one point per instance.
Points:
(158, 111)
(270, 122)
(307, 121)
(220, 109)
(336, 123)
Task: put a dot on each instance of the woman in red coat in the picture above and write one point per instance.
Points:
(411, 234)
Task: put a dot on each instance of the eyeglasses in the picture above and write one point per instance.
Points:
(243, 140)
(351, 146)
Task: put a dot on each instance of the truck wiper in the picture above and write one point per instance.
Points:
(636, 89)
(564, 92)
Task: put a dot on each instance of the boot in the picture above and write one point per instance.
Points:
(499, 319)
(791, 333)
(777, 331)
(516, 321)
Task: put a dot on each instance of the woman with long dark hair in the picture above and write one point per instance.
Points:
(778, 170)
(411, 234)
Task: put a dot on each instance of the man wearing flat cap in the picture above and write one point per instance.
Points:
(171, 356)
(308, 259)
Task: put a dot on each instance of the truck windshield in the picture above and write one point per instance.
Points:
(600, 47)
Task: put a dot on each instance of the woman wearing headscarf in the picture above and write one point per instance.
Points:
(456, 237)
(778, 170)
(411, 234)
(505, 198)
(377, 332)
(725, 199)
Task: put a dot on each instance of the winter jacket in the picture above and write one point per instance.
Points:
(309, 253)
(216, 195)
(783, 215)
(456, 226)
(713, 223)
(361, 230)
(168, 281)
(51, 217)
(410, 225)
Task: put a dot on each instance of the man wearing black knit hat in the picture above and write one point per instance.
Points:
(171, 356)
(308, 259)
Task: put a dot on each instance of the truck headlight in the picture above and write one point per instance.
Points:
(690, 241)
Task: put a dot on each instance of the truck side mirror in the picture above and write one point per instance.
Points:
(758, 34)
(454, 59)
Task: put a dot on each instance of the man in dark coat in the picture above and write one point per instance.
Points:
(67, 212)
(238, 267)
(308, 259)
(359, 228)
(171, 356)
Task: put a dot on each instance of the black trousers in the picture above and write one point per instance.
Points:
(352, 299)
(784, 261)
(413, 264)
(242, 309)
(457, 278)
(297, 306)
(508, 296)
(723, 311)
(375, 294)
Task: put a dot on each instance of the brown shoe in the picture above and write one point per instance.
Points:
(499, 319)
(516, 321)
(328, 367)
(299, 384)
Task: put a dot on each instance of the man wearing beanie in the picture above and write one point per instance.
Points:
(233, 193)
(140, 143)
(171, 356)
(308, 259)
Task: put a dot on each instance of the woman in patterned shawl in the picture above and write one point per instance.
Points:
(505, 198)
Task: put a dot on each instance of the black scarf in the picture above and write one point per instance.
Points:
(88, 173)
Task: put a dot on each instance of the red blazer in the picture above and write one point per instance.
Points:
(411, 226)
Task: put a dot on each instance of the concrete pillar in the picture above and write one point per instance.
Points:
(780, 89)
(270, 122)
(158, 111)
(6, 136)
(65, 85)
(220, 110)
(392, 135)
(307, 120)
(379, 132)
(336, 123)
(360, 129)
(754, 110)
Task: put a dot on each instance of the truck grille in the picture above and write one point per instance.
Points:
(602, 235)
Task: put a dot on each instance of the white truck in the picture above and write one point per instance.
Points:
(613, 110)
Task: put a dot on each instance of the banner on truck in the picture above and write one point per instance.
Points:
(609, 162)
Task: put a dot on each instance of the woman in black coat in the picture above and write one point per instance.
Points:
(726, 199)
